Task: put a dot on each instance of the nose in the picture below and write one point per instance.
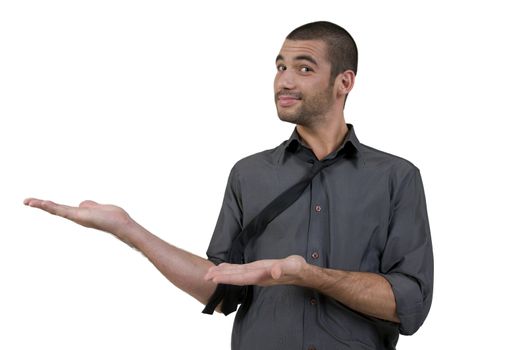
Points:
(284, 81)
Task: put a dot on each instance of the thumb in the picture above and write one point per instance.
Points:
(88, 204)
(276, 271)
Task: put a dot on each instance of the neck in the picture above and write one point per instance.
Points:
(323, 138)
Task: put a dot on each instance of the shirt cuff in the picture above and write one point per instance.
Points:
(409, 302)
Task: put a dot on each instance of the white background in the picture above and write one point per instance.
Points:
(148, 104)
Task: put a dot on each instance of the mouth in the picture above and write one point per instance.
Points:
(287, 100)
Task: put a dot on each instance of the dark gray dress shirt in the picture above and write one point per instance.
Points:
(367, 212)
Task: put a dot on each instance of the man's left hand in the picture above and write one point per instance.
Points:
(262, 272)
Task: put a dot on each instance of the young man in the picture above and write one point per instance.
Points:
(344, 260)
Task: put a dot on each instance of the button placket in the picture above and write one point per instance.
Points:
(314, 248)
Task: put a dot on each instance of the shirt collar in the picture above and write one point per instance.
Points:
(351, 145)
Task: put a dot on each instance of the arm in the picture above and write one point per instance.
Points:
(183, 269)
(365, 292)
(368, 293)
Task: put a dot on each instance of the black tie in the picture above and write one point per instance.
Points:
(232, 295)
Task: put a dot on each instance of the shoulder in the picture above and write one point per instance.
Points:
(259, 162)
(401, 176)
(381, 160)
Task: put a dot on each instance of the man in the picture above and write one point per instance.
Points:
(348, 263)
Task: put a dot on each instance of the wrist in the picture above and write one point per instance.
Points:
(128, 232)
(305, 276)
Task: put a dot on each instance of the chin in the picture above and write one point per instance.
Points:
(299, 119)
(287, 117)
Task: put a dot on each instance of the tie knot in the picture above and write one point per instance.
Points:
(321, 164)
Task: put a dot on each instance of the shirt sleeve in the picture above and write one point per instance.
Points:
(408, 259)
(229, 223)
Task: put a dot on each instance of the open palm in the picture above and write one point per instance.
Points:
(104, 217)
(262, 272)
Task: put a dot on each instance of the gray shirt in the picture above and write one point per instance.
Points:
(367, 212)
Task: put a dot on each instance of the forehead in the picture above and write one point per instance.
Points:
(292, 49)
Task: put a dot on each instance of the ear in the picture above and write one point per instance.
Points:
(345, 82)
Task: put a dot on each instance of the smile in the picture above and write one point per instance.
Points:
(287, 100)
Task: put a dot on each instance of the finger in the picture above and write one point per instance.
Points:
(34, 202)
(233, 269)
(209, 274)
(221, 269)
(246, 278)
(215, 267)
(276, 271)
(51, 207)
(255, 265)
(30, 200)
(228, 270)
(260, 276)
(88, 204)
(262, 267)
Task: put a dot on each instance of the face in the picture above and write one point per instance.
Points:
(303, 91)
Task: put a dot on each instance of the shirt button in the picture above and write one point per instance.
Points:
(313, 301)
(315, 255)
(318, 208)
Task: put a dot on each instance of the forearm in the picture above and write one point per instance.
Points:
(365, 292)
(185, 270)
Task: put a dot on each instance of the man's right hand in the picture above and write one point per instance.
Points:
(185, 270)
(104, 217)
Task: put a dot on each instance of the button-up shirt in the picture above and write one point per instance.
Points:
(366, 212)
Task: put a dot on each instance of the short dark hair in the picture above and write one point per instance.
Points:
(341, 47)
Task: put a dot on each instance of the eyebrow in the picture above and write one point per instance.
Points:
(299, 58)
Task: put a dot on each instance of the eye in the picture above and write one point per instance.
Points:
(281, 67)
(305, 69)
